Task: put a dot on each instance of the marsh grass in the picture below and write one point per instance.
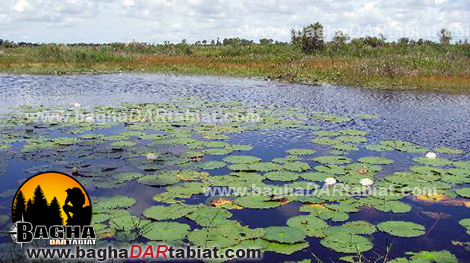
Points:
(392, 66)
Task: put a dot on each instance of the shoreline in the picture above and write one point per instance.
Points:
(443, 69)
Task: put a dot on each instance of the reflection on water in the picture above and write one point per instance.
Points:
(428, 119)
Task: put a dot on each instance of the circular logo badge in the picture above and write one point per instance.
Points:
(52, 199)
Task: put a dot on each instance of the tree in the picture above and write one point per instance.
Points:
(55, 214)
(295, 37)
(184, 41)
(404, 41)
(266, 41)
(312, 38)
(445, 36)
(212, 42)
(340, 37)
(29, 216)
(39, 207)
(19, 207)
(204, 42)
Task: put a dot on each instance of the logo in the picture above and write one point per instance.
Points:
(52, 206)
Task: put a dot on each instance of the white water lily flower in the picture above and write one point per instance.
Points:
(366, 182)
(89, 119)
(431, 155)
(330, 181)
(77, 105)
(151, 156)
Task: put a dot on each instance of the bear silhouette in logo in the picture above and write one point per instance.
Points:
(76, 214)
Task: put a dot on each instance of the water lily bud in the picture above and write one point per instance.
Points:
(151, 156)
(76, 105)
(431, 155)
(75, 171)
(330, 181)
(366, 182)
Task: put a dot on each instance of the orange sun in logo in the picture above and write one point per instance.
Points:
(52, 199)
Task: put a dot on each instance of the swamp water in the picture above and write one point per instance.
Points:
(143, 175)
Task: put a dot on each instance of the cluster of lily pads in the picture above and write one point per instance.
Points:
(181, 160)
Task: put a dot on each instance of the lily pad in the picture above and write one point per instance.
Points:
(242, 159)
(210, 216)
(402, 228)
(296, 166)
(447, 150)
(347, 243)
(159, 179)
(375, 160)
(284, 234)
(282, 176)
(169, 212)
(312, 226)
(209, 165)
(433, 162)
(332, 159)
(463, 192)
(428, 257)
(165, 231)
(394, 207)
(300, 151)
(256, 202)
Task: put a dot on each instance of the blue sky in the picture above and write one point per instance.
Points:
(155, 21)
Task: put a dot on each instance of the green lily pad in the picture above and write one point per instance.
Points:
(169, 212)
(115, 202)
(332, 159)
(433, 162)
(394, 207)
(241, 147)
(209, 165)
(245, 159)
(296, 166)
(163, 179)
(402, 228)
(463, 192)
(360, 227)
(256, 202)
(351, 139)
(428, 257)
(210, 216)
(310, 225)
(375, 160)
(465, 223)
(282, 176)
(347, 243)
(284, 234)
(447, 150)
(211, 237)
(462, 164)
(300, 151)
(286, 249)
(165, 231)
(186, 188)
(378, 148)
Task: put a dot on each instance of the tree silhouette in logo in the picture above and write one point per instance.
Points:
(19, 207)
(37, 210)
(77, 214)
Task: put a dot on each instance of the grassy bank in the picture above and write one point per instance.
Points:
(427, 66)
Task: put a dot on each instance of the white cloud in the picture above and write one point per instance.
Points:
(160, 20)
(20, 6)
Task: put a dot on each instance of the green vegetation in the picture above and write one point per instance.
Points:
(369, 62)
(173, 168)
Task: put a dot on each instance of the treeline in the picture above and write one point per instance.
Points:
(37, 210)
(310, 38)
